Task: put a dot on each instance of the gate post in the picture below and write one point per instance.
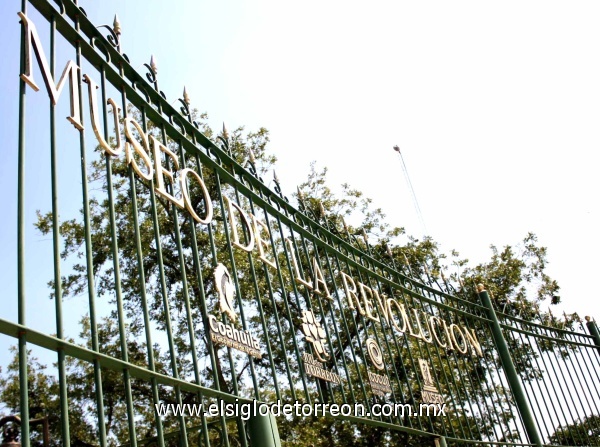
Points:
(591, 325)
(509, 368)
(263, 431)
(439, 442)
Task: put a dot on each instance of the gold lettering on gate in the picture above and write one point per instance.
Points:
(71, 71)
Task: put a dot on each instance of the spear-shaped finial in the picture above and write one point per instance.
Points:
(388, 250)
(186, 97)
(153, 66)
(117, 26)
(225, 133)
(321, 209)
(364, 235)
(300, 195)
(275, 176)
(251, 155)
(344, 224)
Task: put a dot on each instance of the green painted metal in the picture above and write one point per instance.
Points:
(511, 372)
(150, 266)
(22, 337)
(593, 328)
(263, 431)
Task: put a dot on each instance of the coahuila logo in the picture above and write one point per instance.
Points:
(225, 334)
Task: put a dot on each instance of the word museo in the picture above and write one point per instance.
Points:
(145, 155)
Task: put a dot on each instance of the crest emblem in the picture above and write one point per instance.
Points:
(226, 291)
(430, 393)
(315, 334)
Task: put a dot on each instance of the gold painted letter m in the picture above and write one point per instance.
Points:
(32, 41)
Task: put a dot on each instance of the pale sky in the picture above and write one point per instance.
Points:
(495, 107)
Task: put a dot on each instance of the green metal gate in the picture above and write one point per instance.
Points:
(205, 286)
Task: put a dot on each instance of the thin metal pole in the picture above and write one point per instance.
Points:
(412, 191)
(58, 296)
(23, 375)
(142, 278)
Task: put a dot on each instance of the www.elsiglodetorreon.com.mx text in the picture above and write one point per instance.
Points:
(246, 410)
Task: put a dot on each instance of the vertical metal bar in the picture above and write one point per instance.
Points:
(344, 328)
(379, 316)
(511, 372)
(490, 391)
(259, 304)
(188, 309)
(562, 391)
(287, 256)
(337, 333)
(577, 369)
(165, 298)
(285, 300)
(589, 363)
(426, 346)
(308, 294)
(22, 316)
(348, 336)
(237, 286)
(399, 354)
(183, 431)
(533, 396)
(212, 351)
(589, 376)
(163, 283)
(62, 373)
(466, 394)
(364, 325)
(572, 406)
(117, 278)
(142, 279)
(241, 427)
(276, 318)
(260, 309)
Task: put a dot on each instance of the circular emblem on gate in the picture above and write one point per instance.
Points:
(226, 291)
(375, 353)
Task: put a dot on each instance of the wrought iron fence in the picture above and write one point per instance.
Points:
(205, 286)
